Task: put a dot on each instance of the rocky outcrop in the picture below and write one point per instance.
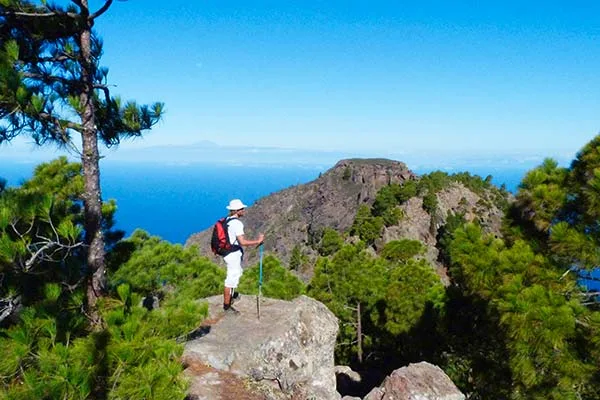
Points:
(422, 381)
(418, 224)
(287, 353)
(295, 216)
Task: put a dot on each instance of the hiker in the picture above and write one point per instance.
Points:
(235, 229)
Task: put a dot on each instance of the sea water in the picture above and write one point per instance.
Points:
(176, 201)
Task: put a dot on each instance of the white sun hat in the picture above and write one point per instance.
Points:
(236, 204)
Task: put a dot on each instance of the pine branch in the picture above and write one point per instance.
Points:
(101, 11)
(34, 256)
(74, 286)
(565, 274)
(38, 15)
(346, 343)
(79, 4)
(585, 324)
(7, 306)
(48, 118)
(106, 91)
(46, 245)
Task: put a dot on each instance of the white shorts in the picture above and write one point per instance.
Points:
(234, 269)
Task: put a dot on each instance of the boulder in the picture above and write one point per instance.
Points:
(421, 381)
(287, 353)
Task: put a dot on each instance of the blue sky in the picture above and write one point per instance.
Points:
(370, 78)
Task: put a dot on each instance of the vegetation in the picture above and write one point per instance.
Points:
(52, 87)
(513, 323)
(41, 233)
(366, 226)
(331, 242)
(47, 347)
(386, 210)
(350, 284)
(545, 325)
(278, 282)
(371, 296)
(154, 267)
(400, 251)
(297, 259)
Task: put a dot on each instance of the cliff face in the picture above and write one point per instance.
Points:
(421, 225)
(295, 215)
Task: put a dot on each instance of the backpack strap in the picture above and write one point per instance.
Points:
(234, 247)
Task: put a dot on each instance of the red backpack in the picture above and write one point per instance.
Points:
(219, 243)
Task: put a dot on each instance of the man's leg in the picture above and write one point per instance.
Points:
(227, 297)
(234, 272)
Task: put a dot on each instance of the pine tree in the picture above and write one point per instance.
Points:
(546, 330)
(330, 243)
(52, 88)
(296, 259)
(278, 282)
(41, 232)
(350, 284)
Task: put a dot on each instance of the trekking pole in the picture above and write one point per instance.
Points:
(260, 277)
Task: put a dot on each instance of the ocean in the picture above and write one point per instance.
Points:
(175, 201)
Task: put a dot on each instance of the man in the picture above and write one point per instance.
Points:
(235, 230)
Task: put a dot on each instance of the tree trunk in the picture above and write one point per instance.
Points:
(96, 279)
(359, 333)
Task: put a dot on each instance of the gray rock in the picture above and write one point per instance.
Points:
(291, 346)
(421, 381)
(348, 372)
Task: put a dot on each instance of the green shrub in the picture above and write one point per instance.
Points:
(330, 242)
(277, 283)
(400, 251)
(296, 259)
(392, 216)
(154, 264)
(134, 357)
(365, 226)
(387, 198)
(430, 203)
(407, 191)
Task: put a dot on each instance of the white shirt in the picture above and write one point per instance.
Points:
(235, 228)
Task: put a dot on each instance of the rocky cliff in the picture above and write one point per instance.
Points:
(293, 216)
(296, 216)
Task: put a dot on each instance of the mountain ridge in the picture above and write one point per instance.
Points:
(302, 211)
(297, 216)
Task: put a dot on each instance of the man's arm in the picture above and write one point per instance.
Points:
(246, 242)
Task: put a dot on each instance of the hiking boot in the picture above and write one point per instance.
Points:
(230, 310)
